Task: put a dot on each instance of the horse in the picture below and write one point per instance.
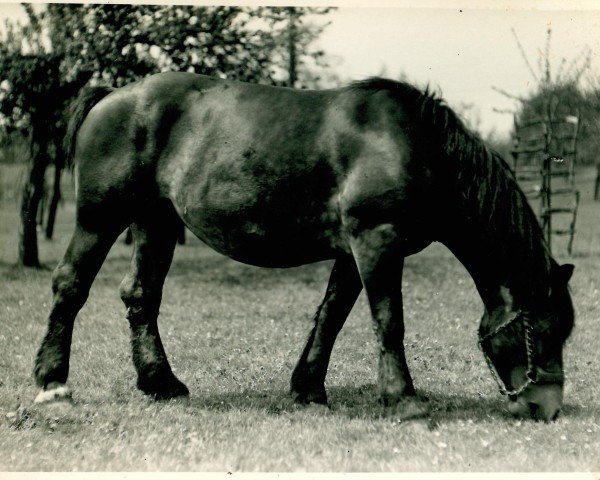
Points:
(364, 175)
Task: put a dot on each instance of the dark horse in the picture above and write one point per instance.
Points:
(275, 177)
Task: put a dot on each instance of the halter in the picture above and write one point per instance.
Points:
(535, 374)
(531, 376)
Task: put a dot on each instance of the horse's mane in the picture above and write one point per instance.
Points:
(486, 185)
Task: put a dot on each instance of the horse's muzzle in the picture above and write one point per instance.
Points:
(539, 401)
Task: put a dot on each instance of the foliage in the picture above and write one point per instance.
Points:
(121, 43)
(290, 36)
(28, 92)
(64, 44)
(28, 76)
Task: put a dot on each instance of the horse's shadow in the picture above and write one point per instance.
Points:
(360, 402)
(206, 266)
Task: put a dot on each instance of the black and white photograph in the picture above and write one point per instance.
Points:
(300, 237)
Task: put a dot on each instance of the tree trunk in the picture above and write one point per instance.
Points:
(41, 210)
(55, 200)
(292, 38)
(32, 193)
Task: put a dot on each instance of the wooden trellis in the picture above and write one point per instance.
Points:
(544, 163)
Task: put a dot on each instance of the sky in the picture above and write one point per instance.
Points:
(462, 50)
(463, 53)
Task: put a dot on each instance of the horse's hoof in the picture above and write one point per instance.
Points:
(412, 408)
(54, 393)
(180, 393)
(308, 398)
(293, 404)
(164, 390)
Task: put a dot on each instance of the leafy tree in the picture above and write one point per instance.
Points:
(121, 43)
(32, 98)
(290, 36)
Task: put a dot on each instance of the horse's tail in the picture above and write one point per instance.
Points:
(88, 97)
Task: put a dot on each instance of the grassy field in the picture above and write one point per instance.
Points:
(233, 334)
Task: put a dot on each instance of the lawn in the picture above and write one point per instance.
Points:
(233, 334)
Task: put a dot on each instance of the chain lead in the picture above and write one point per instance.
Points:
(529, 378)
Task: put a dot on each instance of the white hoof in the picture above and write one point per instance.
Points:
(56, 394)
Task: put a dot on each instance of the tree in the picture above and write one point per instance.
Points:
(290, 34)
(121, 43)
(32, 97)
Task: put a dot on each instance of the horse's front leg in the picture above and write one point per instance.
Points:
(308, 379)
(380, 259)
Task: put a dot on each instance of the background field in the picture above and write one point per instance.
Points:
(233, 334)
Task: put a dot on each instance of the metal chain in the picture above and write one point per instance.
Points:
(503, 325)
(529, 379)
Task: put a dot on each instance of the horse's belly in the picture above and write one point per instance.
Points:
(267, 240)
(257, 206)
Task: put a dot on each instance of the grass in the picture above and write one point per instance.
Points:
(233, 334)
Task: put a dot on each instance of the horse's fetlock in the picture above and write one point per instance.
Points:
(49, 369)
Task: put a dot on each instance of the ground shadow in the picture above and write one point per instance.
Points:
(13, 271)
(209, 267)
(200, 263)
(224, 271)
(360, 402)
(576, 255)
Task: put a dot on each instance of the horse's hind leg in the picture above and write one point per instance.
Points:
(71, 283)
(308, 379)
(154, 236)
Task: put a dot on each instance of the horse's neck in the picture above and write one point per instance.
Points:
(506, 270)
(492, 230)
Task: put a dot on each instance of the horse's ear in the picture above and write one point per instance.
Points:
(566, 272)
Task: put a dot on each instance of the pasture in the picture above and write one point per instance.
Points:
(233, 334)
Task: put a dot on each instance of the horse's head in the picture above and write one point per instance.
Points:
(523, 349)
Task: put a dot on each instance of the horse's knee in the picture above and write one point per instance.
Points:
(66, 286)
(131, 291)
